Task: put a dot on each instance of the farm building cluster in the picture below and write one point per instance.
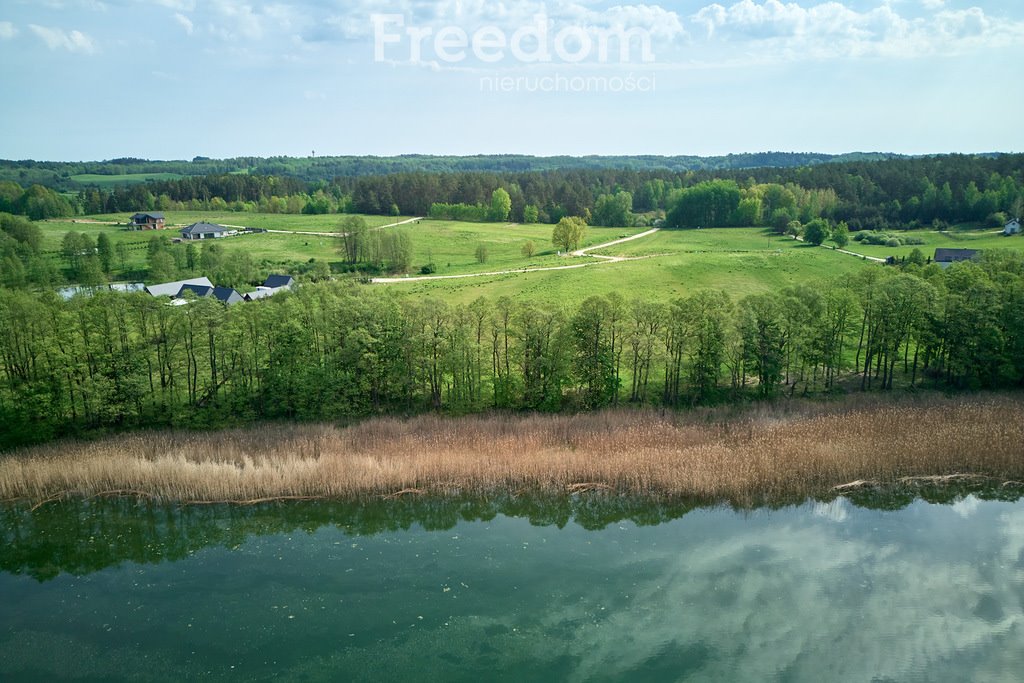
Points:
(197, 231)
(183, 291)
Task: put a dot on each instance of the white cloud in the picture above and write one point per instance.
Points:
(736, 600)
(239, 19)
(776, 30)
(966, 507)
(59, 39)
(933, 4)
(185, 22)
(7, 30)
(470, 15)
(963, 24)
(178, 5)
(836, 511)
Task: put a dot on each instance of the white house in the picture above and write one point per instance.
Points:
(172, 288)
(1012, 228)
(206, 231)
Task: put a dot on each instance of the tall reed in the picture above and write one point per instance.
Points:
(770, 451)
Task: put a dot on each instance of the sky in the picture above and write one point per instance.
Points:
(173, 79)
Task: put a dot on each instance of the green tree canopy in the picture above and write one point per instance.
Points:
(841, 235)
(614, 210)
(816, 231)
(709, 204)
(501, 206)
(569, 232)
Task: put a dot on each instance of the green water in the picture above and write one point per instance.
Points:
(585, 589)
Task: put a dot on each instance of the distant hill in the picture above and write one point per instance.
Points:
(75, 175)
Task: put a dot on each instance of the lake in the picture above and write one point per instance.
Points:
(590, 588)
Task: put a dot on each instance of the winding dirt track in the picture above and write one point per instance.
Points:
(341, 234)
(578, 252)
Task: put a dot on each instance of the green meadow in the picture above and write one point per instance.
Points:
(948, 239)
(109, 181)
(268, 221)
(451, 245)
(670, 263)
(662, 266)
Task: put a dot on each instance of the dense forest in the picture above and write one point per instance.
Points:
(335, 351)
(867, 195)
(61, 175)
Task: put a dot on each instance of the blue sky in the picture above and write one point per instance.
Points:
(172, 79)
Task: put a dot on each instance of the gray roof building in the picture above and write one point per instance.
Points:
(173, 288)
(279, 281)
(947, 257)
(204, 231)
(225, 295)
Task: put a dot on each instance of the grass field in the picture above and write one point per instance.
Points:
(452, 245)
(282, 248)
(269, 221)
(108, 181)
(953, 239)
(670, 263)
(737, 260)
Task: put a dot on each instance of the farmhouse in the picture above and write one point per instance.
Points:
(147, 221)
(279, 282)
(205, 231)
(1012, 228)
(225, 295)
(947, 257)
(173, 288)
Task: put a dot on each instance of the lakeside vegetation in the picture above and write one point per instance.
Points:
(681, 317)
(340, 351)
(765, 454)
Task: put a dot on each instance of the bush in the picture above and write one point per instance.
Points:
(428, 269)
(996, 220)
(893, 242)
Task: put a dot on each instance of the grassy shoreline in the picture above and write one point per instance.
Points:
(765, 452)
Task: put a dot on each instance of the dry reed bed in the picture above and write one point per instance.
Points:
(779, 450)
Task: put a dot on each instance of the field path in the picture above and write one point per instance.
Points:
(613, 259)
(849, 253)
(87, 221)
(578, 252)
(341, 234)
(864, 256)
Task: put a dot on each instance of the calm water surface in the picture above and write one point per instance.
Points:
(590, 589)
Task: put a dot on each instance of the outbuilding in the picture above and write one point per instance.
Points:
(947, 257)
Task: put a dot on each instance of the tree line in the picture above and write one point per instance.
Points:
(60, 175)
(338, 351)
(895, 193)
